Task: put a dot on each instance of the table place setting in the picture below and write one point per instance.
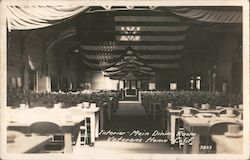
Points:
(206, 118)
(218, 107)
(83, 105)
(240, 107)
(187, 113)
(205, 106)
(12, 135)
(205, 115)
(233, 131)
(58, 105)
(91, 108)
(23, 106)
(231, 142)
(228, 115)
(222, 119)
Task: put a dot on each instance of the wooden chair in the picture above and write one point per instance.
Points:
(193, 111)
(49, 129)
(218, 128)
(224, 111)
(205, 115)
(80, 136)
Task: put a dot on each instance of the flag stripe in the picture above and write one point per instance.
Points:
(146, 19)
(122, 45)
(165, 66)
(153, 28)
(157, 61)
(150, 38)
(159, 24)
(138, 52)
(156, 56)
(151, 33)
(137, 47)
(92, 57)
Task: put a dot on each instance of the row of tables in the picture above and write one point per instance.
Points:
(229, 145)
(199, 125)
(66, 118)
(26, 144)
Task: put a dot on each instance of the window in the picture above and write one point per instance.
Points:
(192, 83)
(195, 83)
(198, 82)
(173, 86)
(138, 84)
(151, 86)
(133, 84)
(121, 84)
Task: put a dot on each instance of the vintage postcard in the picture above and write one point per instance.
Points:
(124, 79)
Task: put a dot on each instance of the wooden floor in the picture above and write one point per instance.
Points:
(136, 128)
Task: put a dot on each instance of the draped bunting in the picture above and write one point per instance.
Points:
(216, 19)
(128, 43)
(206, 14)
(129, 65)
(32, 17)
(23, 17)
(156, 40)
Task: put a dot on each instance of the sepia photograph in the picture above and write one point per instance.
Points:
(124, 79)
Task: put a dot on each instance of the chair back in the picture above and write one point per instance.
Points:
(234, 111)
(45, 128)
(193, 111)
(85, 104)
(219, 128)
(203, 115)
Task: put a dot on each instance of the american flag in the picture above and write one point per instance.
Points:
(155, 38)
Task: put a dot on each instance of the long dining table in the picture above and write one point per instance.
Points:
(172, 115)
(200, 126)
(67, 119)
(224, 144)
(20, 143)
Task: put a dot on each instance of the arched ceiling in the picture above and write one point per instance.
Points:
(128, 44)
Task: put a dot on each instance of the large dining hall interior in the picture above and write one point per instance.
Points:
(97, 80)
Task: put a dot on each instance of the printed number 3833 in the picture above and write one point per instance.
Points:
(206, 147)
